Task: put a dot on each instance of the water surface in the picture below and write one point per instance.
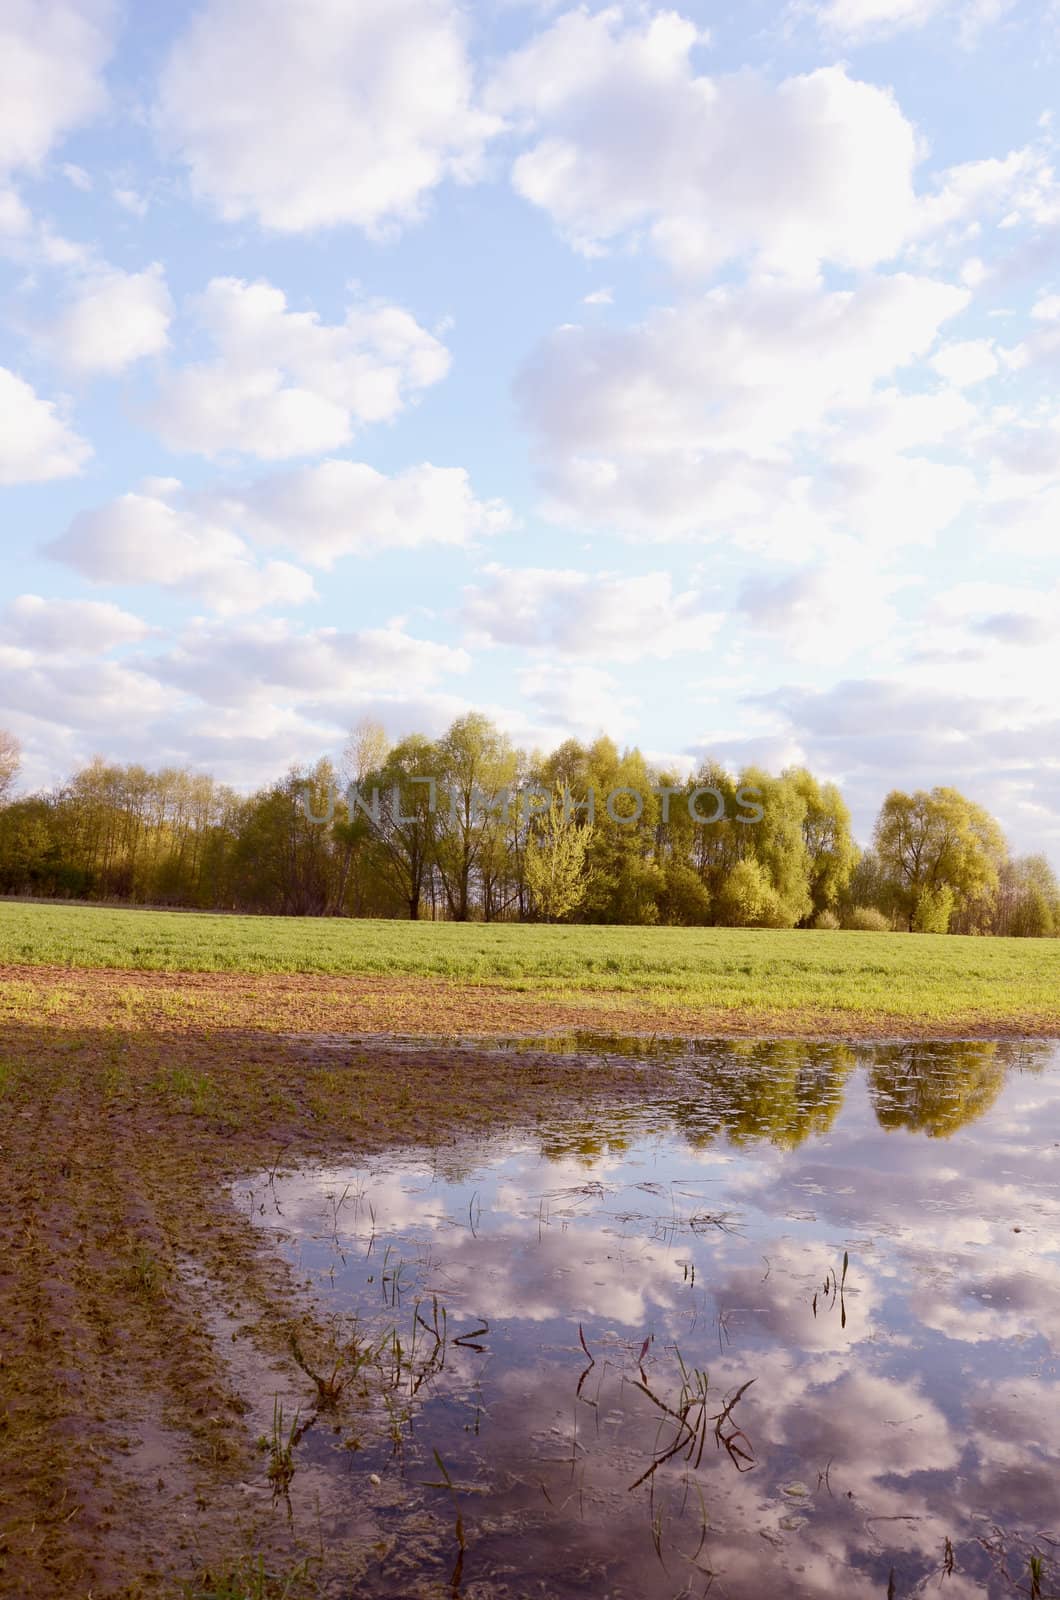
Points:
(790, 1329)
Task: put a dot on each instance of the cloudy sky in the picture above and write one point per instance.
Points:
(689, 375)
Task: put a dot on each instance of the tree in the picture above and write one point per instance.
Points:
(476, 772)
(555, 863)
(1028, 902)
(831, 853)
(931, 843)
(936, 1094)
(10, 761)
(404, 821)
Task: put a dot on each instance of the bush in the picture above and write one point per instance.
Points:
(748, 899)
(826, 920)
(686, 901)
(866, 919)
(933, 912)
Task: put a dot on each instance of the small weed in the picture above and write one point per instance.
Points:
(194, 1090)
(250, 1579)
(145, 1272)
(281, 1446)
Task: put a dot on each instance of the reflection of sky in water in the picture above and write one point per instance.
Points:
(709, 1224)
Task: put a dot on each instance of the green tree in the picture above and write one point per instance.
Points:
(476, 771)
(401, 802)
(555, 863)
(936, 1092)
(930, 843)
(831, 853)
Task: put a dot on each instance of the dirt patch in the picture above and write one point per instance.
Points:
(315, 1003)
(142, 1319)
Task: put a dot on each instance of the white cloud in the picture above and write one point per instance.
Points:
(286, 384)
(852, 18)
(113, 318)
(255, 661)
(1020, 187)
(69, 692)
(201, 541)
(130, 200)
(629, 137)
(966, 362)
(310, 115)
(77, 176)
(15, 220)
(53, 626)
(36, 443)
(582, 613)
(343, 508)
(689, 423)
(143, 538)
(52, 54)
(859, 19)
(934, 725)
(826, 612)
(1047, 308)
(580, 701)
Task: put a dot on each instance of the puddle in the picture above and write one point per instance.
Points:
(790, 1330)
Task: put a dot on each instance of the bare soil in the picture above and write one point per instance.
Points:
(433, 1007)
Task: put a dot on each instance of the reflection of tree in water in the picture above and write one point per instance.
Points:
(936, 1089)
(781, 1090)
(785, 1091)
(609, 1132)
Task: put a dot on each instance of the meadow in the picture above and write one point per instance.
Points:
(826, 980)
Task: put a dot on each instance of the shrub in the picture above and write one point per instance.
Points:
(933, 912)
(826, 920)
(866, 919)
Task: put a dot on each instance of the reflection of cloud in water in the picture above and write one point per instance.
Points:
(930, 1415)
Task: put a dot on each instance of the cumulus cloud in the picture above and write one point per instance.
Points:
(966, 362)
(582, 613)
(578, 700)
(286, 384)
(202, 542)
(36, 442)
(112, 319)
(858, 20)
(852, 18)
(343, 508)
(52, 55)
(253, 661)
(71, 693)
(688, 423)
(147, 538)
(318, 114)
(826, 611)
(1000, 746)
(627, 137)
(53, 626)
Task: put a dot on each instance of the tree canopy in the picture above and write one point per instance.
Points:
(466, 826)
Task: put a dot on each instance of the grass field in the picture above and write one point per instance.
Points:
(826, 980)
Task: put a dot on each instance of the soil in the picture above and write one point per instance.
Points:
(141, 1316)
(432, 1007)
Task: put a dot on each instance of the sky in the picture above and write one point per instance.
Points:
(687, 375)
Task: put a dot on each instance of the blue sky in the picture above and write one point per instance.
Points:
(684, 374)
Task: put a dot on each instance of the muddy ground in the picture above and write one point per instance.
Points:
(140, 1315)
(316, 1003)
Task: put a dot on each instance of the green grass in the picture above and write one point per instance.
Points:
(933, 978)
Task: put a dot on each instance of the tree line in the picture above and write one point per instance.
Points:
(469, 827)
